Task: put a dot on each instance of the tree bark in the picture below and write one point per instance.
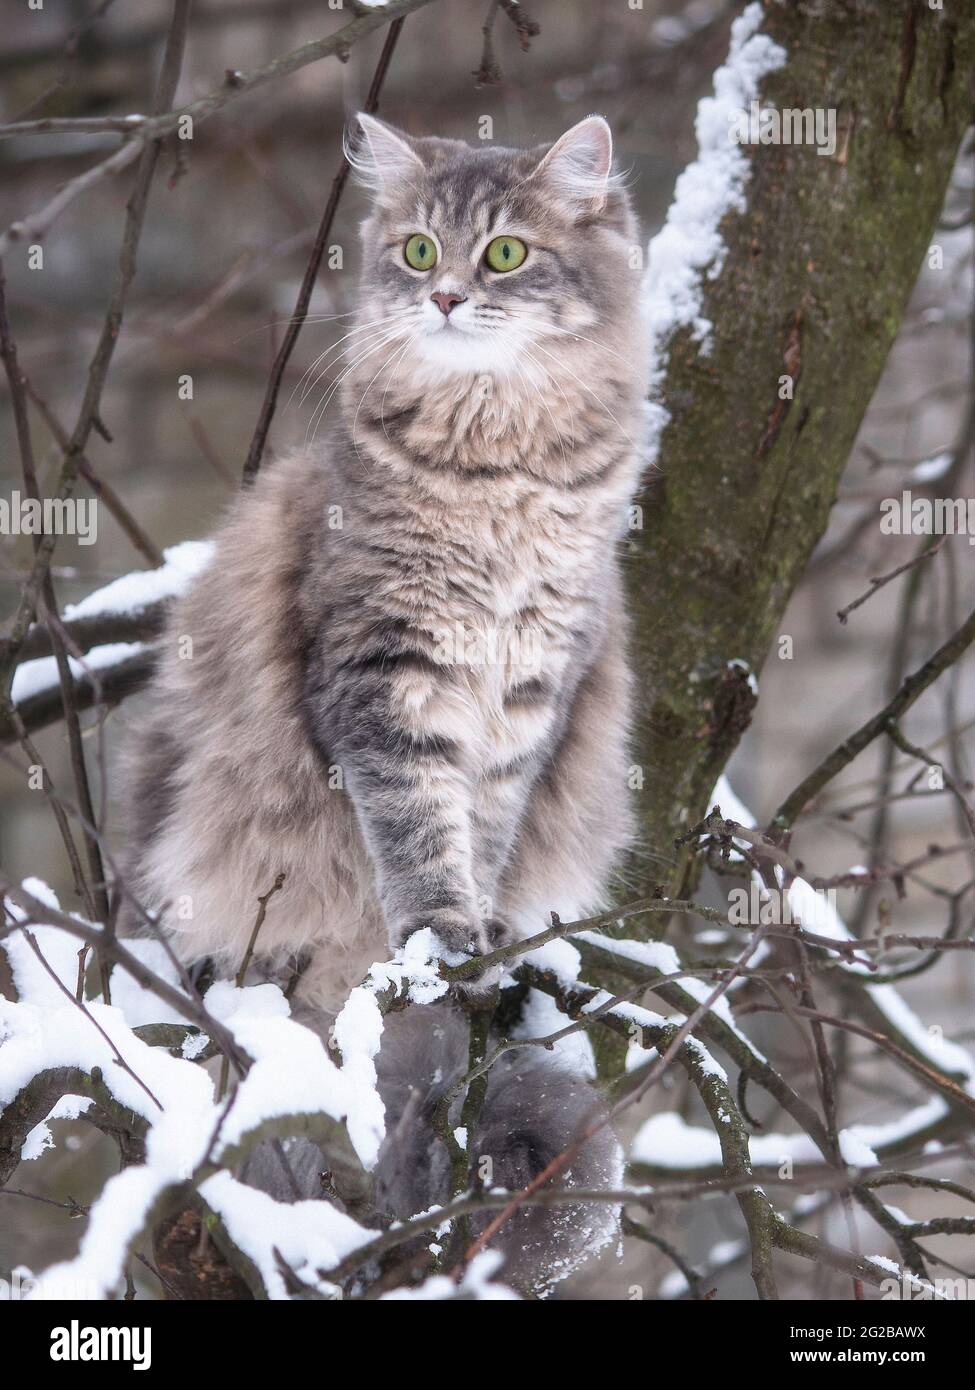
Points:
(819, 270)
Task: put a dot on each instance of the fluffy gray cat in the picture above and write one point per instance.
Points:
(408, 689)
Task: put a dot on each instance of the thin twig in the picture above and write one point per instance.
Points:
(488, 71)
(910, 690)
(140, 539)
(88, 416)
(884, 579)
(241, 975)
(255, 453)
(190, 1006)
(80, 1005)
(527, 28)
(68, 55)
(925, 757)
(164, 121)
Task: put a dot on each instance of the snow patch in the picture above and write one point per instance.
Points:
(689, 248)
(477, 1283)
(31, 677)
(668, 1141)
(309, 1235)
(133, 592)
(129, 594)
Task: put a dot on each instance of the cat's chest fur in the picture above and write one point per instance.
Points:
(486, 529)
(493, 550)
(488, 512)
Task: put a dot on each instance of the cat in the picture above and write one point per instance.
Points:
(408, 689)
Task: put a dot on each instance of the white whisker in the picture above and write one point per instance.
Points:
(567, 332)
(590, 392)
(548, 376)
(558, 386)
(382, 404)
(322, 406)
(375, 325)
(294, 318)
(355, 418)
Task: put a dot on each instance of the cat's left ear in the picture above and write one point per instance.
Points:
(579, 164)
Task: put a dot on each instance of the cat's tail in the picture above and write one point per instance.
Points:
(534, 1108)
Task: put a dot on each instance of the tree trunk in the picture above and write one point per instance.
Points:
(818, 272)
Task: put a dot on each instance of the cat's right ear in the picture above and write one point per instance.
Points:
(381, 158)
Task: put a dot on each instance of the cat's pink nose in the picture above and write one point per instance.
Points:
(445, 302)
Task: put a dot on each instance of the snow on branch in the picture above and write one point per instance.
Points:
(52, 1037)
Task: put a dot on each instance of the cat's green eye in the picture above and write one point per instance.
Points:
(505, 253)
(420, 252)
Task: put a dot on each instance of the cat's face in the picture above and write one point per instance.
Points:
(484, 260)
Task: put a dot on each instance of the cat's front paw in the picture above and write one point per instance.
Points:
(456, 931)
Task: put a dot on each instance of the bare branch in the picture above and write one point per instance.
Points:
(163, 121)
(910, 690)
(255, 452)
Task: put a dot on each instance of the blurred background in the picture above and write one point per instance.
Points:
(231, 221)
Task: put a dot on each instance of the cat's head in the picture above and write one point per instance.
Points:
(482, 257)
